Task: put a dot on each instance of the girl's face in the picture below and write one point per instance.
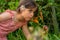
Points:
(27, 14)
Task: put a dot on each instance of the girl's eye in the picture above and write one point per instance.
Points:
(30, 11)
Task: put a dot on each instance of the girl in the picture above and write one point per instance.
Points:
(12, 20)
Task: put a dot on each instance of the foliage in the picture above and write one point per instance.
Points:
(48, 14)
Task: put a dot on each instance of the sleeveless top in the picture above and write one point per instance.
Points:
(9, 25)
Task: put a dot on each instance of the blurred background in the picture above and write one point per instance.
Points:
(45, 25)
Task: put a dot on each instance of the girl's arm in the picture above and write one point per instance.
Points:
(4, 16)
(26, 32)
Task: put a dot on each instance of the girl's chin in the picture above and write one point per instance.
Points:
(27, 19)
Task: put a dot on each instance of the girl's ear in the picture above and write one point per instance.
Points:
(22, 8)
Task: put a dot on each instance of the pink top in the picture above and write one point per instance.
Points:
(9, 25)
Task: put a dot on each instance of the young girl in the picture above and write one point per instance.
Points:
(12, 20)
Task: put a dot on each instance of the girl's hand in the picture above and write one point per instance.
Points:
(30, 37)
(26, 32)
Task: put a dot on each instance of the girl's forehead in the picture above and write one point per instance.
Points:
(33, 9)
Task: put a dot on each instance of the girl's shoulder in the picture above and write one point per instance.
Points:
(7, 15)
(11, 12)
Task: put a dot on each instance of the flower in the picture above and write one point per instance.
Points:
(35, 20)
(45, 28)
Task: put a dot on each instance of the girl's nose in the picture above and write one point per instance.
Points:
(32, 14)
